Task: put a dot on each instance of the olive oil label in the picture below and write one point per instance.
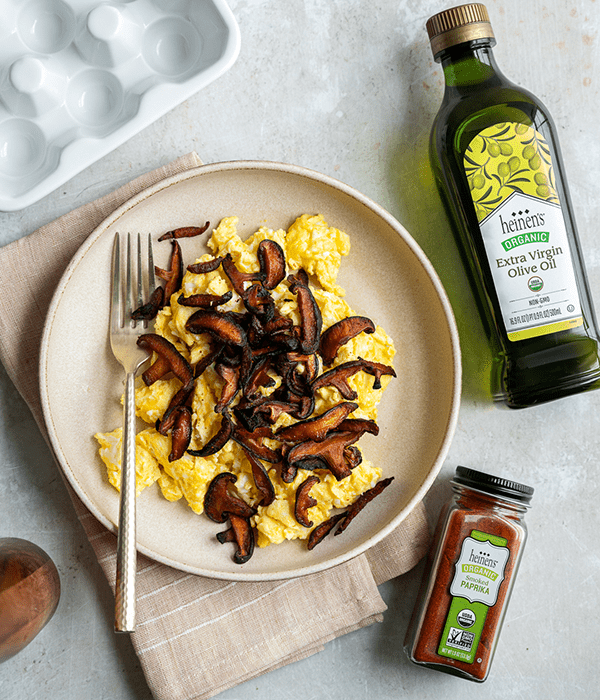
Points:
(511, 177)
(479, 572)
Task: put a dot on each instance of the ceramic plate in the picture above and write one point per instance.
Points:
(387, 278)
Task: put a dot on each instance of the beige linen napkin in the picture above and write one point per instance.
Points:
(195, 636)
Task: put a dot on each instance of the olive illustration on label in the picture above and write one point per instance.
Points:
(508, 158)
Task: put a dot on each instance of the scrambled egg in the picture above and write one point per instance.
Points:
(310, 243)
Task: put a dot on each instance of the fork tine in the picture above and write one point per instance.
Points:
(128, 286)
(115, 299)
(151, 278)
(140, 278)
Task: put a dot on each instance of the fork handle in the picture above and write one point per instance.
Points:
(126, 540)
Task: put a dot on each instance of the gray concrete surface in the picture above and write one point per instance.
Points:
(349, 88)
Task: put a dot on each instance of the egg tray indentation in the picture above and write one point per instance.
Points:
(79, 78)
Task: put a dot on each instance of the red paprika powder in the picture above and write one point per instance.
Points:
(471, 571)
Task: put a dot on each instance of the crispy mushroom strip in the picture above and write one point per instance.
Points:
(184, 232)
(156, 371)
(310, 314)
(361, 502)
(359, 425)
(259, 302)
(219, 502)
(272, 263)
(218, 440)
(278, 324)
(220, 325)
(201, 268)
(204, 301)
(263, 483)
(242, 534)
(340, 333)
(253, 442)
(345, 518)
(175, 273)
(304, 501)
(148, 311)
(329, 454)
(309, 362)
(377, 369)
(231, 377)
(321, 531)
(169, 359)
(353, 456)
(181, 398)
(181, 433)
(259, 377)
(270, 409)
(318, 427)
(338, 376)
(236, 277)
(208, 359)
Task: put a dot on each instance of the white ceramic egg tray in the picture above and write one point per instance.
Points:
(79, 78)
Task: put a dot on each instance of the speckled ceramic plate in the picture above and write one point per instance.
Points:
(386, 276)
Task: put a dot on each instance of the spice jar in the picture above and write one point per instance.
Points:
(471, 571)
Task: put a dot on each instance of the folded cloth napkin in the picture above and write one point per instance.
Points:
(195, 636)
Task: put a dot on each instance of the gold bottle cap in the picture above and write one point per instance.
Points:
(457, 25)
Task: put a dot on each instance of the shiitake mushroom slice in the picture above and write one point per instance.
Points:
(237, 277)
(327, 454)
(200, 268)
(148, 311)
(168, 355)
(219, 502)
(175, 277)
(218, 440)
(156, 371)
(220, 325)
(259, 302)
(253, 442)
(338, 376)
(361, 502)
(359, 425)
(377, 370)
(311, 321)
(181, 432)
(318, 427)
(262, 480)
(340, 333)
(319, 533)
(231, 377)
(345, 518)
(204, 301)
(304, 500)
(272, 263)
(184, 232)
(181, 398)
(242, 534)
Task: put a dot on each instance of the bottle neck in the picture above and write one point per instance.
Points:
(469, 65)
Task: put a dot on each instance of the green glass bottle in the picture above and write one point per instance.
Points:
(498, 167)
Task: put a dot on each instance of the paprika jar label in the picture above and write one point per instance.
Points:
(479, 572)
(511, 178)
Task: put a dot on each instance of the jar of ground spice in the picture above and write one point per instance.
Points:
(471, 571)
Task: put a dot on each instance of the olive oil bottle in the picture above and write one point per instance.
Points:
(498, 167)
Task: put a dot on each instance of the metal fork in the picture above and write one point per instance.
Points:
(127, 294)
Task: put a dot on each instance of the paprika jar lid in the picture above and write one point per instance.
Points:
(494, 485)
